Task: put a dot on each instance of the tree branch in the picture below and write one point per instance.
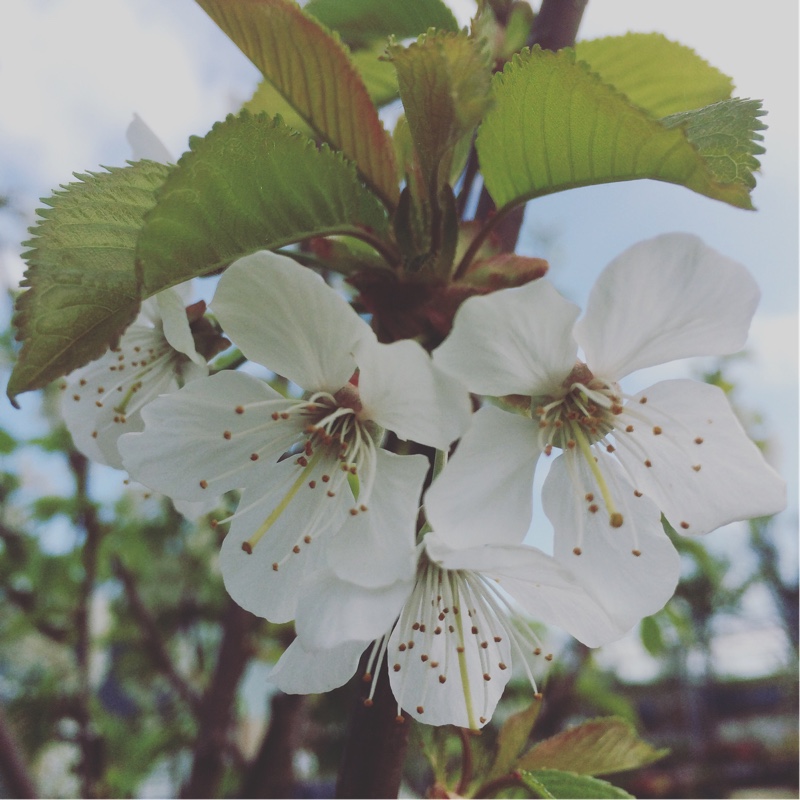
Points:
(216, 708)
(152, 636)
(556, 24)
(272, 772)
(376, 744)
(90, 767)
(26, 599)
(14, 770)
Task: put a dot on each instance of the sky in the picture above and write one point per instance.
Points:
(73, 73)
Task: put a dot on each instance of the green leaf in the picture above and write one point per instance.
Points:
(444, 83)
(518, 29)
(312, 69)
(557, 126)
(267, 99)
(512, 737)
(360, 22)
(344, 256)
(552, 783)
(378, 74)
(57, 440)
(45, 508)
(250, 184)
(82, 281)
(8, 444)
(597, 690)
(598, 747)
(651, 636)
(725, 136)
(658, 75)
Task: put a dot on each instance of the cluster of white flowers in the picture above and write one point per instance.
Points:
(363, 547)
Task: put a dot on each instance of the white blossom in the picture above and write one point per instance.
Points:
(155, 355)
(678, 442)
(450, 615)
(304, 464)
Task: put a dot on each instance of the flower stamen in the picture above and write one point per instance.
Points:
(614, 517)
(250, 543)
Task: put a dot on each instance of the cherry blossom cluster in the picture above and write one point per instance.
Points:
(385, 518)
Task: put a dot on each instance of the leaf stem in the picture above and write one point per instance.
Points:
(492, 787)
(389, 254)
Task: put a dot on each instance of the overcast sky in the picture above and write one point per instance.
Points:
(73, 72)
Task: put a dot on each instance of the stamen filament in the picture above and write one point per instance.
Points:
(250, 543)
(462, 661)
(586, 450)
(384, 641)
(514, 630)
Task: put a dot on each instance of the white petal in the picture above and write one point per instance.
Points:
(377, 547)
(145, 144)
(184, 451)
(285, 317)
(287, 525)
(545, 588)
(195, 511)
(485, 493)
(705, 472)
(666, 298)
(177, 331)
(331, 611)
(403, 391)
(300, 671)
(515, 341)
(629, 587)
(149, 315)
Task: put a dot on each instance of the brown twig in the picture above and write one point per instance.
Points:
(556, 25)
(215, 713)
(376, 744)
(90, 767)
(26, 599)
(272, 772)
(152, 636)
(13, 768)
